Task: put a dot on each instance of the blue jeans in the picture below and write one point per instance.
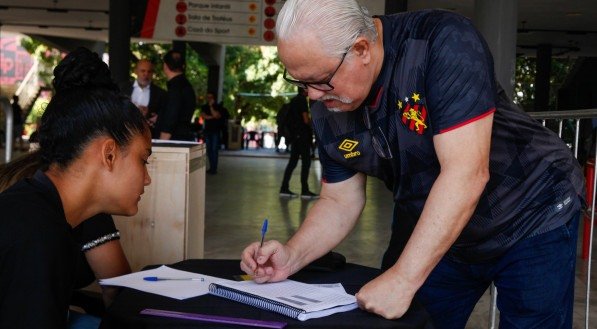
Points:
(534, 280)
(212, 144)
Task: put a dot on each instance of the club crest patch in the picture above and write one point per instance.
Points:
(414, 113)
(348, 145)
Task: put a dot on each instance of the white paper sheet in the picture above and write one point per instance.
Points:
(177, 289)
(315, 301)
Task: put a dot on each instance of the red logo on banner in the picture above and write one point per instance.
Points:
(181, 6)
(181, 19)
(180, 31)
(270, 11)
(269, 23)
(268, 36)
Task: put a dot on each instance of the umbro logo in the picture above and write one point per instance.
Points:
(348, 145)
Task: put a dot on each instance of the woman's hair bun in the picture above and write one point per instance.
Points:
(82, 68)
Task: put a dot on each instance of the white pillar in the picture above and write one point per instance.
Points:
(497, 21)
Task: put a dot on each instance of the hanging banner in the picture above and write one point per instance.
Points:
(247, 22)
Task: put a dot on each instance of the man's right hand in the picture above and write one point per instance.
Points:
(268, 263)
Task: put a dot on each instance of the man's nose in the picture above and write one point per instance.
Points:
(314, 94)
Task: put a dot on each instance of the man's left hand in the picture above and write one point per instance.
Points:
(386, 295)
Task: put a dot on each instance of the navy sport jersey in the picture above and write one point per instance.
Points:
(437, 76)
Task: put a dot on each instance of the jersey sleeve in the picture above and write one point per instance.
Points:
(459, 77)
(332, 171)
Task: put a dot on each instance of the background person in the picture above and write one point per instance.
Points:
(94, 146)
(300, 136)
(212, 114)
(481, 190)
(148, 97)
(17, 122)
(175, 122)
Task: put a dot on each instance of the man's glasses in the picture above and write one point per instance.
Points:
(379, 141)
(319, 85)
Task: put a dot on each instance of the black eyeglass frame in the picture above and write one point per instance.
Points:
(382, 148)
(323, 85)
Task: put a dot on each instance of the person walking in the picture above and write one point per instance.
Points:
(301, 139)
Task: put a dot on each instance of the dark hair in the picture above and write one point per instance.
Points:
(87, 104)
(174, 60)
(15, 170)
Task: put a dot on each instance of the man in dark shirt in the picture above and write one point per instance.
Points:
(301, 138)
(212, 114)
(483, 193)
(175, 122)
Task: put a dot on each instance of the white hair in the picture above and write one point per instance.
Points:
(336, 23)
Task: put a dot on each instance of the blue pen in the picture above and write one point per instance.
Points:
(159, 278)
(263, 230)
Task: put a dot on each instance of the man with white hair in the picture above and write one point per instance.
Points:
(483, 193)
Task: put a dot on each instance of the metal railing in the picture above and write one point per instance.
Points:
(572, 119)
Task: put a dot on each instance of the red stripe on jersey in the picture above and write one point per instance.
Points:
(491, 110)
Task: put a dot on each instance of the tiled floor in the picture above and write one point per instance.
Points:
(245, 191)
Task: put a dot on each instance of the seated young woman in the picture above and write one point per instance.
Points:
(94, 146)
(101, 255)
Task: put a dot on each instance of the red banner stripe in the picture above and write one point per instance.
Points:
(151, 16)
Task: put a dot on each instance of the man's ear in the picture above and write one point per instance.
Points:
(362, 47)
(109, 151)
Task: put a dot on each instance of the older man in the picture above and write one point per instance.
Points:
(149, 98)
(482, 192)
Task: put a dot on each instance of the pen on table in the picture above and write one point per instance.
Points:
(263, 231)
(159, 278)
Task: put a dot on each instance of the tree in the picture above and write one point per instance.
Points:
(253, 84)
(524, 87)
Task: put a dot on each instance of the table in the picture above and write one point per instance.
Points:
(124, 311)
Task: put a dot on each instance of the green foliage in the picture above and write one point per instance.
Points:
(47, 57)
(524, 87)
(253, 82)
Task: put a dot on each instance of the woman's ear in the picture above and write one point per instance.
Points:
(109, 150)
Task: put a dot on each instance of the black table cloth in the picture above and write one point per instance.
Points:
(124, 311)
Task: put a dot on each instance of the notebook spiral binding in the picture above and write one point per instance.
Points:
(256, 301)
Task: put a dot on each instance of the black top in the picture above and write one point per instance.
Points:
(214, 125)
(298, 129)
(37, 256)
(92, 233)
(437, 75)
(176, 118)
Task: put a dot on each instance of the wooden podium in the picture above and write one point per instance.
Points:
(169, 226)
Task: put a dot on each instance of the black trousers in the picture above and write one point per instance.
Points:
(301, 147)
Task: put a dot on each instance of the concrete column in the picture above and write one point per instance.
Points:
(497, 20)
(213, 55)
(542, 77)
(120, 40)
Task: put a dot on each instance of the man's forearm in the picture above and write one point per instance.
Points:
(328, 222)
(450, 205)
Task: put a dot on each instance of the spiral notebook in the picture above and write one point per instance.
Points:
(291, 298)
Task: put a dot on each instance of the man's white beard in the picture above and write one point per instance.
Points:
(341, 99)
